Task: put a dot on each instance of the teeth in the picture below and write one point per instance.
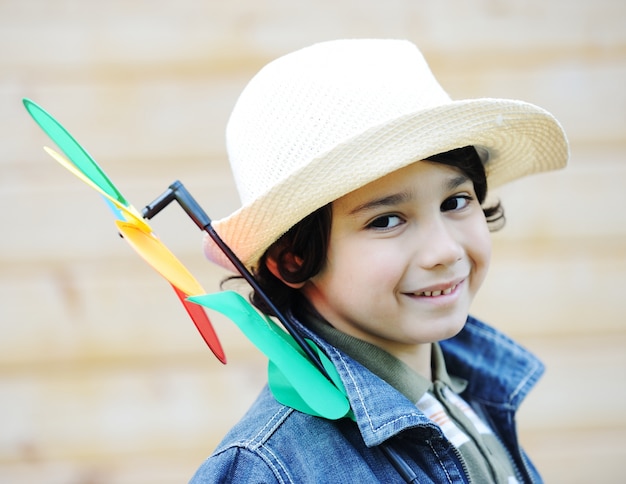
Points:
(437, 293)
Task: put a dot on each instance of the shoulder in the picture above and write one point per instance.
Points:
(271, 443)
(243, 455)
(235, 464)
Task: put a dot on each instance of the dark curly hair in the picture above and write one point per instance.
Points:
(308, 240)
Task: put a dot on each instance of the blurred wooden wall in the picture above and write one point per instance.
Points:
(103, 378)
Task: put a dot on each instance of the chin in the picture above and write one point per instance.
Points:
(448, 329)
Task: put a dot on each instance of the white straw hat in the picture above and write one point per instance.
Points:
(325, 120)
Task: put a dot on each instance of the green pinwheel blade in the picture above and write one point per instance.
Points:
(284, 391)
(294, 380)
(73, 150)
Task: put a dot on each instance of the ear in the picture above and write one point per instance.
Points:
(292, 262)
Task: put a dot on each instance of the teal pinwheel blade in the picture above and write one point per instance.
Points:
(73, 150)
(294, 380)
(288, 394)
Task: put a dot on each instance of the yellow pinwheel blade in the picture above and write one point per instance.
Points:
(129, 212)
(155, 253)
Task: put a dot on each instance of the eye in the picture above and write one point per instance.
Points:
(458, 202)
(385, 222)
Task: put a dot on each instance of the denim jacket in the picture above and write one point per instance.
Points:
(276, 444)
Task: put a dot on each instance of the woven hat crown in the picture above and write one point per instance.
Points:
(308, 102)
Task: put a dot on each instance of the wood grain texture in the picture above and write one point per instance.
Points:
(103, 379)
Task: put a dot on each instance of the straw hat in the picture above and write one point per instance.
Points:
(325, 120)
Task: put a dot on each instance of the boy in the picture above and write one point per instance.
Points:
(363, 187)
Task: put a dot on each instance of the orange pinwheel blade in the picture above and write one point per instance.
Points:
(155, 253)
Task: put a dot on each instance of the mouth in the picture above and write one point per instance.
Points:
(438, 290)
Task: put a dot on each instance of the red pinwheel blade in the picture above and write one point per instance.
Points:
(202, 322)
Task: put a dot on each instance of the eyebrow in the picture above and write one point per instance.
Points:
(403, 197)
(387, 201)
(457, 181)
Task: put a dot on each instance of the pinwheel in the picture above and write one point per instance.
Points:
(130, 224)
(299, 375)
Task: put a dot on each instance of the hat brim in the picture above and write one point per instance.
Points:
(520, 139)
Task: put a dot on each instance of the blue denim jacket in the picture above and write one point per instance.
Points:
(274, 443)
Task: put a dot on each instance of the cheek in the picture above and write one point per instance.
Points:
(375, 262)
(357, 266)
(481, 252)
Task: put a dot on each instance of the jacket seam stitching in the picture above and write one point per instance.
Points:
(273, 423)
(361, 399)
(274, 464)
(256, 445)
(445, 470)
(256, 451)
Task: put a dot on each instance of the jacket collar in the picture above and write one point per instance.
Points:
(499, 372)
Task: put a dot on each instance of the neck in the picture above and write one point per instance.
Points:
(417, 357)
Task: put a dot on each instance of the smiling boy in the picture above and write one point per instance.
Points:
(363, 187)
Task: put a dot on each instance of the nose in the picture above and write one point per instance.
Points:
(437, 244)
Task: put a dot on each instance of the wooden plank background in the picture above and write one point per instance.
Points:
(103, 379)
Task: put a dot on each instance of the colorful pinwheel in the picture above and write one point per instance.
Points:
(130, 224)
(299, 374)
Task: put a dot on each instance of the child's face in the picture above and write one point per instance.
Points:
(407, 255)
